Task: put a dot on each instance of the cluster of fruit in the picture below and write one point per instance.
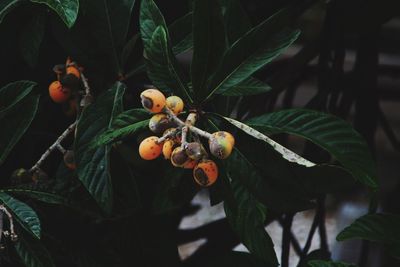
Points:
(180, 141)
(68, 77)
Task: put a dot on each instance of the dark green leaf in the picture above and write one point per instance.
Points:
(163, 68)
(237, 23)
(319, 263)
(32, 253)
(66, 9)
(251, 52)
(14, 92)
(93, 162)
(125, 124)
(180, 32)
(209, 43)
(318, 254)
(329, 132)
(24, 215)
(31, 38)
(250, 86)
(17, 123)
(128, 48)
(6, 6)
(247, 217)
(383, 228)
(150, 19)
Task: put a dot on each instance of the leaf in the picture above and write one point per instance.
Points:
(237, 23)
(250, 86)
(320, 263)
(24, 215)
(32, 253)
(209, 43)
(93, 162)
(383, 228)
(163, 68)
(247, 217)
(329, 132)
(237, 259)
(17, 122)
(6, 6)
(180, 32)
(150, 19)
(109, 21)
(125, 124)
(31, 38)
(12, 93)
(251, 52)
(66, 9)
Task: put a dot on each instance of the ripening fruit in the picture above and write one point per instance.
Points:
(190, 164)
(57, 93)
(221, 144)
(149, 148)
(205, 173)
(168, 147)
(159, 123)
(69, 160)
(175, 104)
(195, 150)
(74, 71)
(153, 100)
(179, 157)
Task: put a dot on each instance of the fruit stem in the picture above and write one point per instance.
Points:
(13, 235)
(190, 127)
(165, 137)
(61, 148)
(54, 146)
(185, 130)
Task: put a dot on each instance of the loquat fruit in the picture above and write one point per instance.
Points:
(175, 104)
(205, 173)
(179, 157)
(221, 144)
(74, 71)
(57, 93)
(153, 100)
(159, 123)
(149, 148)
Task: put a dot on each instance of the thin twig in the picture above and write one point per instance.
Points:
(185, 130)
(53, 146)
(13, 235)
(61, 148)
(287, 225)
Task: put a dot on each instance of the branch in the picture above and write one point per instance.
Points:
(55, 145)
(13, 235)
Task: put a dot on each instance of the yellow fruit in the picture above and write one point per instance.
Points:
(168, 147)
(205, 173)
(175, 104)
(149, 148)
(57, 93)
(159, 123)
(153, 100)
(221, 144)
(179, 157)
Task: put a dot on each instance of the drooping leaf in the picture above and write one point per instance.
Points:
(66, 9)
(329, 132)
(247, 217)
(251, 52)
(93, 162)
(319, 263)
(31, 38)
(237, 23)
(383, 228)
(6, 6)
(250, 86)
(32, 252)
(163, 68)
(17, 123)
(14, 92)
(125, 124)
(24, 215)
(209, 43)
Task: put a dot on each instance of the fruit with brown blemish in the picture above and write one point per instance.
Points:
(159, 123)
(175, 104)
(221, 144)
(168, 147)
(149, 148)
(195, 150)
(153, 100)
(179, 157)
(69, 160)
(205, 173)
(58, 93)
(190, 164)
